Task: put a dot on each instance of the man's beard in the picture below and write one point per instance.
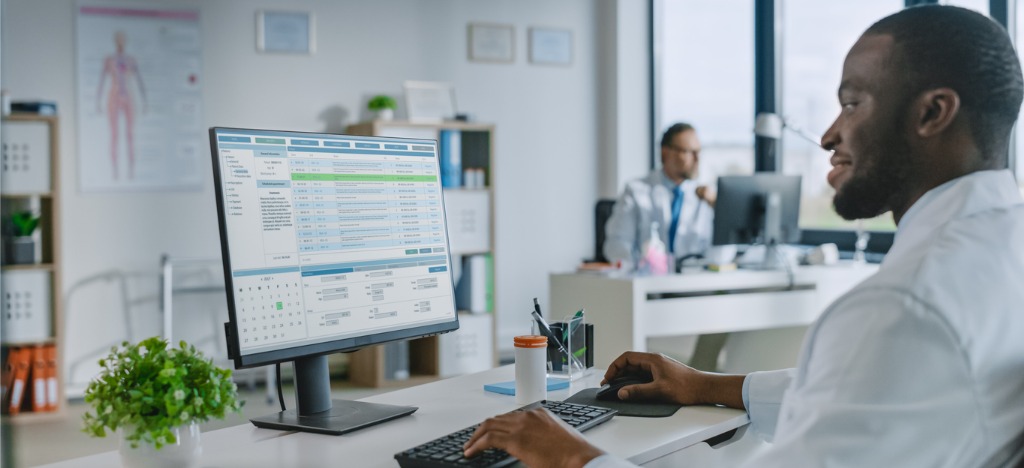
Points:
(870, 192)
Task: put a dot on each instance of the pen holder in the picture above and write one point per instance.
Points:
(571, 363)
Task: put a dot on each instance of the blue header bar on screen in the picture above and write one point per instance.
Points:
(328, 139)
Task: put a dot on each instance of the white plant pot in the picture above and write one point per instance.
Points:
(185, 453)
(385, 114)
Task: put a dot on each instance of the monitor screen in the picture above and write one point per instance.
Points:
(757, 209)
(330, 242)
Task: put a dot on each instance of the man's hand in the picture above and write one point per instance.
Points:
(536, 437)
(675, 382)
(706, 194)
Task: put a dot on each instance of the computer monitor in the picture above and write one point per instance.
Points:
(757, 209)
(330, 243)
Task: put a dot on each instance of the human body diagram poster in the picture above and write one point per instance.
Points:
(139, 97)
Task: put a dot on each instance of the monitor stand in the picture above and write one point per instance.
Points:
(316, 412)
(774, 257)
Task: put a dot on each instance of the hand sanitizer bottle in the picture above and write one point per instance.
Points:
(654, 257)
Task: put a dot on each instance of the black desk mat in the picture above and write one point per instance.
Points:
(588, 396)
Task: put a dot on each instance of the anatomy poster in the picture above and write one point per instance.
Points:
(140, 121)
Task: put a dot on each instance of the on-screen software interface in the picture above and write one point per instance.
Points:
(332, 236)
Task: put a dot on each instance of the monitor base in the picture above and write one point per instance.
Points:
(766, 258)
(344, 416)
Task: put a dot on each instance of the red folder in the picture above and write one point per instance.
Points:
(52, 394)
(38, 379)
(22, 360)
(6, 378)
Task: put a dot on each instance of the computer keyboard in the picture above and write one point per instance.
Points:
(446, 451)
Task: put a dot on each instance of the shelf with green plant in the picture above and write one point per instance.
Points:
(21, 246)
(383, 105)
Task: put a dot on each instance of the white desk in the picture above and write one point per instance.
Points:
(447, 406)
(627, 310)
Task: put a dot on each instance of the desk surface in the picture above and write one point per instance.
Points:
(445, 406)
(626, 310)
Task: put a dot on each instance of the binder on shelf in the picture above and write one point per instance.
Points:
(52, 392)
(38, 378)
(450, 148)
(471, 293)
(488, 283)
(21, 360)
(6, 377)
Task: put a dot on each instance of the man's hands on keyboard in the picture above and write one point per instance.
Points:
(536, 437)
(539, 434)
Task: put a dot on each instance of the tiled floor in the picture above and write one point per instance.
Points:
(48, 442)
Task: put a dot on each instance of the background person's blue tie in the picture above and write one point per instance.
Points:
(677, 207)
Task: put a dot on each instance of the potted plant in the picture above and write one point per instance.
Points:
(384, 106)
(22, 247)
(155, 395)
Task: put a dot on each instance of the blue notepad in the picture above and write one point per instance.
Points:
(509, 388)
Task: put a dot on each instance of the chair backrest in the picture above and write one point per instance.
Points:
(602, 211)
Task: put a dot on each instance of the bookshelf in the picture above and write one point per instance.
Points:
(32, 306)
(470, 215)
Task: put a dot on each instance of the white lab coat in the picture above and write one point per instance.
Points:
(921, 365)
(649, 200)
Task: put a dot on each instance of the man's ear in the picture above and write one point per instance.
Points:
(935, 110)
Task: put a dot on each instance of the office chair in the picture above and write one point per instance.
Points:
(602, 211)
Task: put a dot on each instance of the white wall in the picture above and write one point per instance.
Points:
(625, 84)
(547, 140)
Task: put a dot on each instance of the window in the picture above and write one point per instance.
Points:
(980, 6)
(816, 37)
(704, 75)
(1017, 151)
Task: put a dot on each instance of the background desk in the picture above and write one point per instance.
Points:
(626, 311)
(447, 406)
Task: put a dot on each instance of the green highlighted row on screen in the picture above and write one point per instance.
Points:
(302, 176)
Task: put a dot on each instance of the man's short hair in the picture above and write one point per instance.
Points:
(946, 46)
(670, 134)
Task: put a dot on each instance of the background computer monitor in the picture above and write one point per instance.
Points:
(757, 209)
(330, 243)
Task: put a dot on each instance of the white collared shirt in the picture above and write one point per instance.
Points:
(649, 200)
(921, 365)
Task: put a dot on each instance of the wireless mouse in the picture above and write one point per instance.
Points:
(610, 390)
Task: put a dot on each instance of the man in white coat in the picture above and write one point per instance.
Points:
(669, 198)
(921, 365)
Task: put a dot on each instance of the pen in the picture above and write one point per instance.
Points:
(536, 307)
(546, 331)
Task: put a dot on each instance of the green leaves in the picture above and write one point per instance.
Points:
(24, 223)
(149, 388)
(382, 101)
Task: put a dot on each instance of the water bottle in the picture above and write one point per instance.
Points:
(654, 258)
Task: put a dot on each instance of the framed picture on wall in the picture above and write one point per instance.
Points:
(550, 46)
(491, 43)
(287, 32)
(429, 101)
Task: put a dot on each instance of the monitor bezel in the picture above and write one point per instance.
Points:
(316, 349)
